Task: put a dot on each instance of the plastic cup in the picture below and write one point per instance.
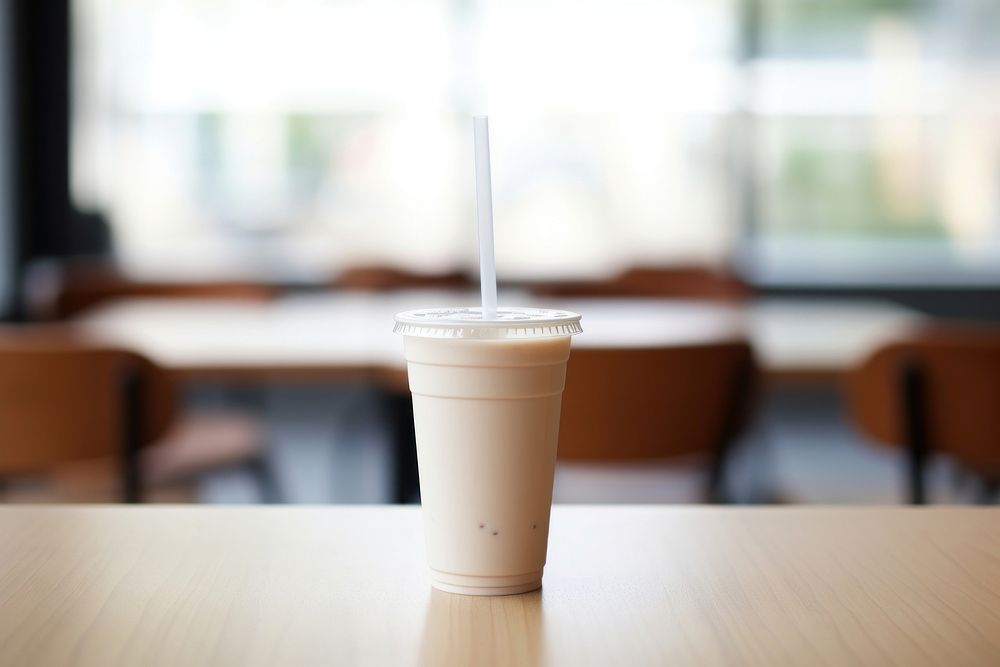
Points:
(486, 402)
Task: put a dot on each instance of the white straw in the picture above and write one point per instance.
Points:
(484, 213)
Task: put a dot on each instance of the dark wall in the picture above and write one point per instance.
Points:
(41, 80)
(44, 223)
(7, 238)
(38, 107)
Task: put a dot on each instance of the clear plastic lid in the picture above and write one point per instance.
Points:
(469, 323)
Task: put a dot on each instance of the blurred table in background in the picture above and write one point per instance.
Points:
(348, 336)
(636, 585)
(799, 340)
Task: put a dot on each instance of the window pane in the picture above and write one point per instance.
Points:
(877, 142)
(301, 136)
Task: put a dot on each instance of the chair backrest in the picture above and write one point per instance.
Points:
(81, 287)
(62, 401)
(959, 371)
(388, 278)
(683, 282)
(664, 402)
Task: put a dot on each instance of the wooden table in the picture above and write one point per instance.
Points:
(344, 336)
(623, 586)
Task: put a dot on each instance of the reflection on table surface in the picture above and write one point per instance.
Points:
(459, 627)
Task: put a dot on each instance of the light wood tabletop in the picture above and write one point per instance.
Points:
(349, 335)
(623, 586)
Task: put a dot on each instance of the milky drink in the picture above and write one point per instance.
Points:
(486, 400)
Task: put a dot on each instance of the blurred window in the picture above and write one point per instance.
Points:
(876, 151)
(304, 135)
(817, 139)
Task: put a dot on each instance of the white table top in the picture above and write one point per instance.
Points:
(351, 331)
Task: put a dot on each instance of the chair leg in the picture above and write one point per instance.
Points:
(739, 402)
(405, 474)
(270, 491)
(912, 386)
(131, 434)
(715, 486)
(989, 489)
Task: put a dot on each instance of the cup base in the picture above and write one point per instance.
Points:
(471, 585)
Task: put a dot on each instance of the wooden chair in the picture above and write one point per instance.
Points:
(387, 278)
(666, 403)
(66, 408)
(682, 282)
(77, 287)
(937, 391)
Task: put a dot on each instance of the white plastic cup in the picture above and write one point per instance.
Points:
(486, 402)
